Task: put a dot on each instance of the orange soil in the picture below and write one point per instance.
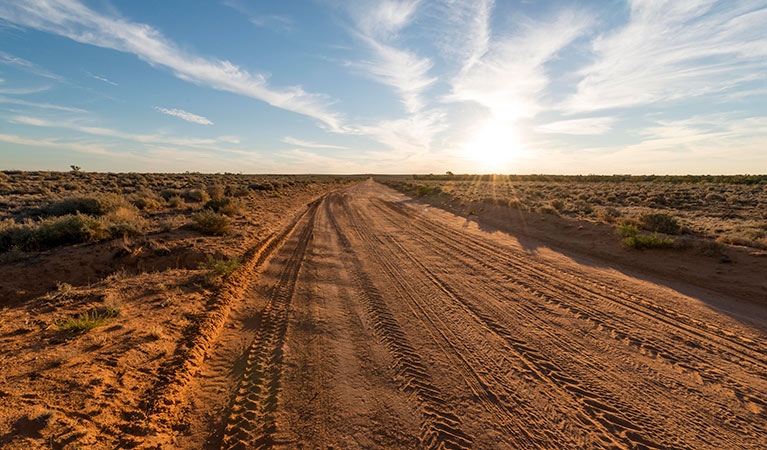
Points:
(380, 322)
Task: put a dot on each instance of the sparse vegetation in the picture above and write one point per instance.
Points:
(225, 205)
(85, 322)
(211, 222)
(634, 239)
(220, 268)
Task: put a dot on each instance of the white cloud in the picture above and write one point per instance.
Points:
(72, 19)
(510, 78)
(151, 139)
(307, 144)
(463, 29)
(28, 66)
(14, 101)
(413, 134)
(587, 126)
(185, 115)
(64, 145)
(671, 50)
(383, 18)
(400, 69)
(104, 79)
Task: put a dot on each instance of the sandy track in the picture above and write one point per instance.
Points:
(377, 325)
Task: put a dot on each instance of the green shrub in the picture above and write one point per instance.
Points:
(220, 267)
(660, 222)
(211, 222)
(86, 321)
(632, 238)
(427, 190)
(69, 229)
(95, 205)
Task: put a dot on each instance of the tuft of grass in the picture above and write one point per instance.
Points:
(85, 322)
(211, 222)
(222, 268)
(634, 239)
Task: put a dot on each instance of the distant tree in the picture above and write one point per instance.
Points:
(449, 173)
(75, 169)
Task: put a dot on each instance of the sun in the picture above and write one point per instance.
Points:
(494, 146)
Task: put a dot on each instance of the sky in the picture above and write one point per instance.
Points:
(326, 86)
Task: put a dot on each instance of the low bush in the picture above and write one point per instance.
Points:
(175, 201)
(608, 214)
(222, 268)
(124, 222)
(225, 205)
(634, 239)
(95, 205)
(145, 201)
(660, 222)
(211, 222)
(195, 196)
(427, 190)
(69, 229)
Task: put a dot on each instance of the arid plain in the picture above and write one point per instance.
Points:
(235, 312)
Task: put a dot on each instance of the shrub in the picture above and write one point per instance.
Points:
(85, 322)
(69, 229)
(223, 268)
(145, 201)
(632, 238)
(211, 222)
(215, 191)
(124, 222)
(608, 214)
(237, 191)
(427, 190)
(167, 194)
(175, 201)
(96, 205)
(196, 196)
(262, 186)
(660, 222)
(225, 205)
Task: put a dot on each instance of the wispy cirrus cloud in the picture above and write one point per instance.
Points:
(301, 143)
(72, 19)
(510, 77)
(15, 101)
(184, 115)
(670, 50)
(152, 139)
(586, 126)
(376, 25)
(28, 66)
(104, 79)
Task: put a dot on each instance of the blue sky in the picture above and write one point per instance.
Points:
(384, 86)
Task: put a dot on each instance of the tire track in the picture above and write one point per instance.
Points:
(549, 294)
(440, 428)
(251, 423)
(646, 308)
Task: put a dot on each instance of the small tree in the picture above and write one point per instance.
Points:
(75, 169)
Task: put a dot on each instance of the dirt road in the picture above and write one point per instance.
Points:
(379, 324)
